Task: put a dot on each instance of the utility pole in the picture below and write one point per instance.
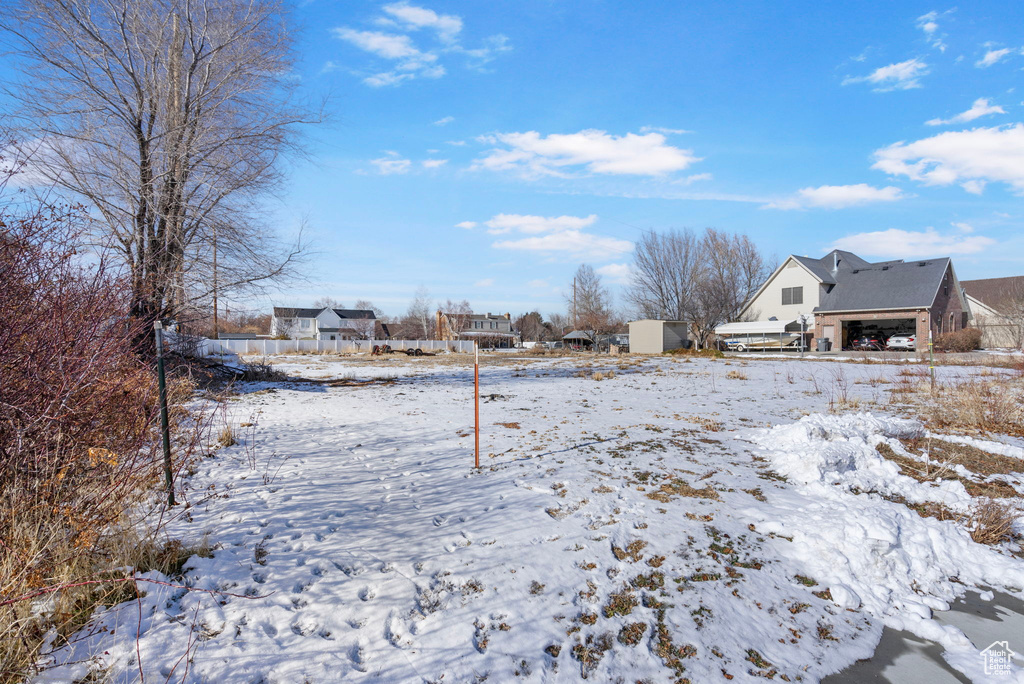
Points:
(574, 325)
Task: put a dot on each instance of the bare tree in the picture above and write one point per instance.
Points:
(169, 118)
(367, 305)
(664, 274)
(558, 323)
(327, 303)
(454, 317)
(592, 302)
(418, 321)
(730, 271)
(531, 327)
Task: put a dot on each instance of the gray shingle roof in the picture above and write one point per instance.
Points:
(355, 313)
(860, 285)
(291, 312)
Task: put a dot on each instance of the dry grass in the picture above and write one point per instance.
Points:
(992, 522)
(982, 405)
(226, 437)
(677, 487)
(736, 375)
(603, 375)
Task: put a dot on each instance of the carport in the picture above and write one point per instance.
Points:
(762, 335)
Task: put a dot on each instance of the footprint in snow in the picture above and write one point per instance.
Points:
(259, 577)
(270, 630)
(304, 625)
(440, 520)
(358, 656)
(367, 593)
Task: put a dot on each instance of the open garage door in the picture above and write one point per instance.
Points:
(880, 330)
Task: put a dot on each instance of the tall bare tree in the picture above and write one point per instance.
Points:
(169, 118)
(731, 269)
(593, 309)
(704, 280)
(663, 276)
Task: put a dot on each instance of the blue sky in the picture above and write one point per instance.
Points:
(486, 149)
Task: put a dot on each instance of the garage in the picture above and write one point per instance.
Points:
(880, 329)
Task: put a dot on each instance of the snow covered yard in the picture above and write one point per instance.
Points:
(635, 520)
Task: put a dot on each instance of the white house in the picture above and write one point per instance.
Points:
(322, 324)
(842, 297)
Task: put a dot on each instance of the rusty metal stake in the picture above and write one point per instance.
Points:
(476, 399)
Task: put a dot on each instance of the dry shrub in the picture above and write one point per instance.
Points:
(736, 375)
(986, 405)
(699, 353)
(991, 522)
(77, 434)
(963, 340)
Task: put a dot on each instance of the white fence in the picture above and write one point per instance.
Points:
(270, 347)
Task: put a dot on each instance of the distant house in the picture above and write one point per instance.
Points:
(997, 309)
(490, 330)
(323, 324)
(843, 297)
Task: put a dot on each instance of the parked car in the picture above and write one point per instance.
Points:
(867, 343)
(902, 341)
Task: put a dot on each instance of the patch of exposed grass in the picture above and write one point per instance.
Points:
(631, 552)
(678, 487)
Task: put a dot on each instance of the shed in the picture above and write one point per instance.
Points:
(651, 336)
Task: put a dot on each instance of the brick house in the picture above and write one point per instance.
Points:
(849, 296)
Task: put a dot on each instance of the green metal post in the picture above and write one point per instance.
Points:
(931, 359)
(158, 330)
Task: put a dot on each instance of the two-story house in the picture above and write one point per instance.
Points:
(494, 330)
(322, 324)
(848, 296)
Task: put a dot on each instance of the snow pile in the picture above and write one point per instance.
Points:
(871, 552)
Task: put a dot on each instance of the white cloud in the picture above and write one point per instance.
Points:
(690, 180)
(468, 225)
(993, 57)
(447, 26)
(900, 76)
(538, 283)
(837, 197)
(666, 131)
(906, 244)
(971, 158)
(444, 121)
(616, 273)
(456, 143)
(392, 164)
(980, 108)
(562, 236)
(929, 24)
(486, 282)
(965, 227)
(408, 60)
(384, 45)
(533, 225)
(434, 163)
(572, 243)
(533, 155)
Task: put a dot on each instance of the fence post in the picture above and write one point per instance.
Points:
(476, 404)
(158, 331)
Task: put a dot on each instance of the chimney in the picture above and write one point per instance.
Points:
(835, 261)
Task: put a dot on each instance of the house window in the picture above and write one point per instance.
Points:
(792, 295)
(304, 323)
(952, 322)
(493, 324)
